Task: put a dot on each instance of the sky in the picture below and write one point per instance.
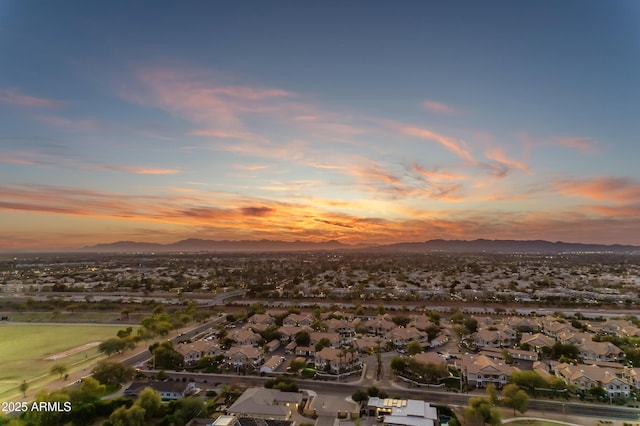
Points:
(366, 122)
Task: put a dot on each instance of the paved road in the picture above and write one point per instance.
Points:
(435, 397)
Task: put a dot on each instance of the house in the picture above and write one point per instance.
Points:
(271, 364)
(493, 337)
(403, 412)
(167, 390)
(379, 326)
(401, 336)
(600, 351)
(244, 356)
(272, 345)
(290, 348)
(368, 344)
(300, 320)
(430, 358)
(440, 340)
(586, 377)
(334, 338)
(305, 351)
(480, 370)
(193, 352)
(244, 337)
(266, 404)
(225, 420)
(537, 341)
(522, 324)
(421, 322)
(343, 327)
(335, 360)
(289, 332)
(553, 327)
(262, 319)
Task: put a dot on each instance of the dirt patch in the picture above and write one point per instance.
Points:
(72, 351)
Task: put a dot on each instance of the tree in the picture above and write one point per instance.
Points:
(23, 388)
(567, 350)
(150, 400)
(322, 343)
(492, 394)
(297, 364)
(112, 373)
(165, 357)
(132, 416)
(401, 320)
(115, 345)
(360, 396)
(599, 392)
(398, 364)
(90, 391)
(303, 338)
(529, 379)
(60, 369)
(414, 347)
(188, 408)
(480, 412)
(516, 398)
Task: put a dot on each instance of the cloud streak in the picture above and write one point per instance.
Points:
(439, 107)
(17, 98)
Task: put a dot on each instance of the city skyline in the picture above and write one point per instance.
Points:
(365, 123)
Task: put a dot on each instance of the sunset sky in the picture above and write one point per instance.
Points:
(363, 121)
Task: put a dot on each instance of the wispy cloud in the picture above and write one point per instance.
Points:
(457, 147)
(604, 188)
(150, 171)
(251, 167)
(439, 107)
(498, 155)
(584, 145)
(15, 97)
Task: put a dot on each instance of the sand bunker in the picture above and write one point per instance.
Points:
(72, 351)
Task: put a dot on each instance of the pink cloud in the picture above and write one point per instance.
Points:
(457, 147)
(14, 97)
(439, 107)
(498, 155)
(618, 190)
(225, 134)
(582, 144)
(437, 175)
(251, 167)
(151, 171)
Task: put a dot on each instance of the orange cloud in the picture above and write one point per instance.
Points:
(251, 167)
(457, 147)
(437, 175)
(438, 107)
(619, 190)
(377, 173)
(496, 154)
(151, 171)
(14, 97)
(228, 216)
(582, 144)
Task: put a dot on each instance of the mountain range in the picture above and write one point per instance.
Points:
(455, 246)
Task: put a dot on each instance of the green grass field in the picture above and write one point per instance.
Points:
(534, 423)
(24, 347)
